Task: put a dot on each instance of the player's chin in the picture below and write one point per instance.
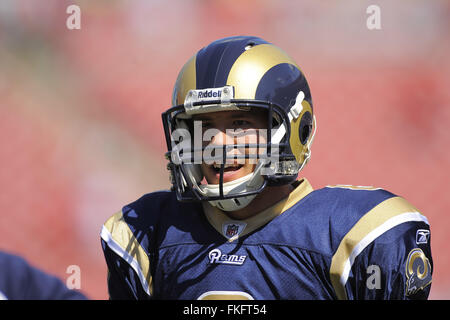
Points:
(212, 173)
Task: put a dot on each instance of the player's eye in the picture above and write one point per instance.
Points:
(206, 124)
(241, 123)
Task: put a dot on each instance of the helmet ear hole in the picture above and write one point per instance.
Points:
(306, 131)
(305, 127)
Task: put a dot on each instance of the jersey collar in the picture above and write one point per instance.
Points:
(233, 229)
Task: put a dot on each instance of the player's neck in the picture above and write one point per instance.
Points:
(267, 198)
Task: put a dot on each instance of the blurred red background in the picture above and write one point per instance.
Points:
(80, 128)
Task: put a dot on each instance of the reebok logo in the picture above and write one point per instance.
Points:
(422, 236)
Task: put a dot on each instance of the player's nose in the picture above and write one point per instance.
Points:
(222, 136)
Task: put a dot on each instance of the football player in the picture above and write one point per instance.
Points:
(21, 281)
(239, 223)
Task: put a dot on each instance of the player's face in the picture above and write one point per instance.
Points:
(228, 128)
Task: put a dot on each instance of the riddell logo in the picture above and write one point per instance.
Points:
(209, 94)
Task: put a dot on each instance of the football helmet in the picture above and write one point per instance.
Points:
(239, 73)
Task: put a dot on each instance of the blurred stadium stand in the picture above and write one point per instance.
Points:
(80, 128)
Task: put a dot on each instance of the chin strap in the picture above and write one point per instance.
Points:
(247, 183)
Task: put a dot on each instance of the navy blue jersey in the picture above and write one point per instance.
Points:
(339, 242)
(21, 281)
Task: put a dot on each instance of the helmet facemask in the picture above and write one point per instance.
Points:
(275, 164)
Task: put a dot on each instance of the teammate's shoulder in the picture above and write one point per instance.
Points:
(21, 280)
(12, 262)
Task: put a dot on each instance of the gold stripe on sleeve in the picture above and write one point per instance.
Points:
(130, 249)
(371, 225)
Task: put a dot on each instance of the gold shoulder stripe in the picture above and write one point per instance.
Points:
(251, 66)
(119, 237)
(374, 223)
(301, 191)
